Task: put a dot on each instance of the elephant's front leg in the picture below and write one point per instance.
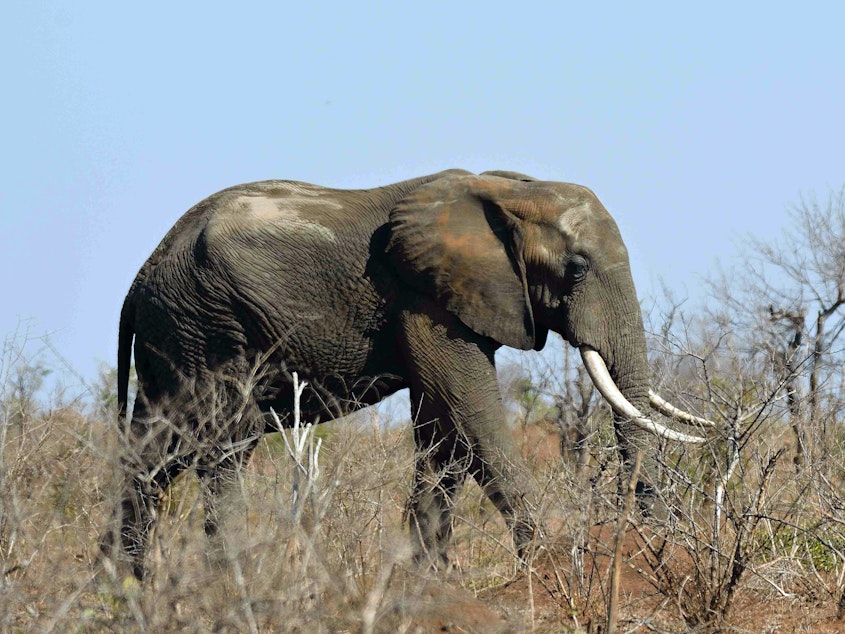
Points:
(439, 474)
(459, 428)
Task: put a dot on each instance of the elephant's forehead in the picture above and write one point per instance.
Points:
(587, 224)
(279, 207)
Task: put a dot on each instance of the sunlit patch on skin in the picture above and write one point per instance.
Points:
(541, 254)
(573, 222)
(289, 208)
(575, 216)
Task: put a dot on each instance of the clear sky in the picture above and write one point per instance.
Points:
(694, 123)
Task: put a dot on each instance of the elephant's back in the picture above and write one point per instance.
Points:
(294, 257)
(272, 266)
(281, 212)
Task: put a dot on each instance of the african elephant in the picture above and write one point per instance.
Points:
(364, 293)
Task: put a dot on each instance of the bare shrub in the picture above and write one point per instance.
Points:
(325, 554)
(743, 523)
(745, 528)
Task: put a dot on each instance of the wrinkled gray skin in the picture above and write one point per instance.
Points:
(364, 293)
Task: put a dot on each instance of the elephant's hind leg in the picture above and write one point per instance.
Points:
(152, 455)
(221, 480)
(138, 512)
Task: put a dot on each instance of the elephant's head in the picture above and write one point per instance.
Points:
(512, 258)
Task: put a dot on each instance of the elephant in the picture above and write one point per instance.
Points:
(363, 293)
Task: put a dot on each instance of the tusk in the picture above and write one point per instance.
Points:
(667, 408)
(597, 369)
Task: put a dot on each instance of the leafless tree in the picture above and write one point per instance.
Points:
(784, 301)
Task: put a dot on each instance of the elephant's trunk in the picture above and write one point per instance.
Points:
(621, 375)
(619, 369)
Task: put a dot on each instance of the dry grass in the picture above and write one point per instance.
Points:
(344, 565)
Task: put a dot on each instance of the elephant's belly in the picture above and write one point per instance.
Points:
(327, 398)
(343, 374)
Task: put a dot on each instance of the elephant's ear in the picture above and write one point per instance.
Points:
(451, 240)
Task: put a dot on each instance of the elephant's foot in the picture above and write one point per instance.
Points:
(525, 535)
(434, 561)
(118, 560)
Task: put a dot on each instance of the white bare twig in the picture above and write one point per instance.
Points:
(303, 448)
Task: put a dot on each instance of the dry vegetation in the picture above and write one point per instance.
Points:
(753, 537)
(772, 558)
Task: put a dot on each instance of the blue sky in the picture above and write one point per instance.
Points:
(695, 124)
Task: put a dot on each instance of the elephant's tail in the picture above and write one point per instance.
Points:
(126, 332)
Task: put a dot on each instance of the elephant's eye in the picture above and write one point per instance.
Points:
(577, 267)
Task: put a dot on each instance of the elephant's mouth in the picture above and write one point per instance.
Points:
(597, 369)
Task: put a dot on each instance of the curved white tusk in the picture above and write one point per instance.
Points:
(597, 369)
(665, 407)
